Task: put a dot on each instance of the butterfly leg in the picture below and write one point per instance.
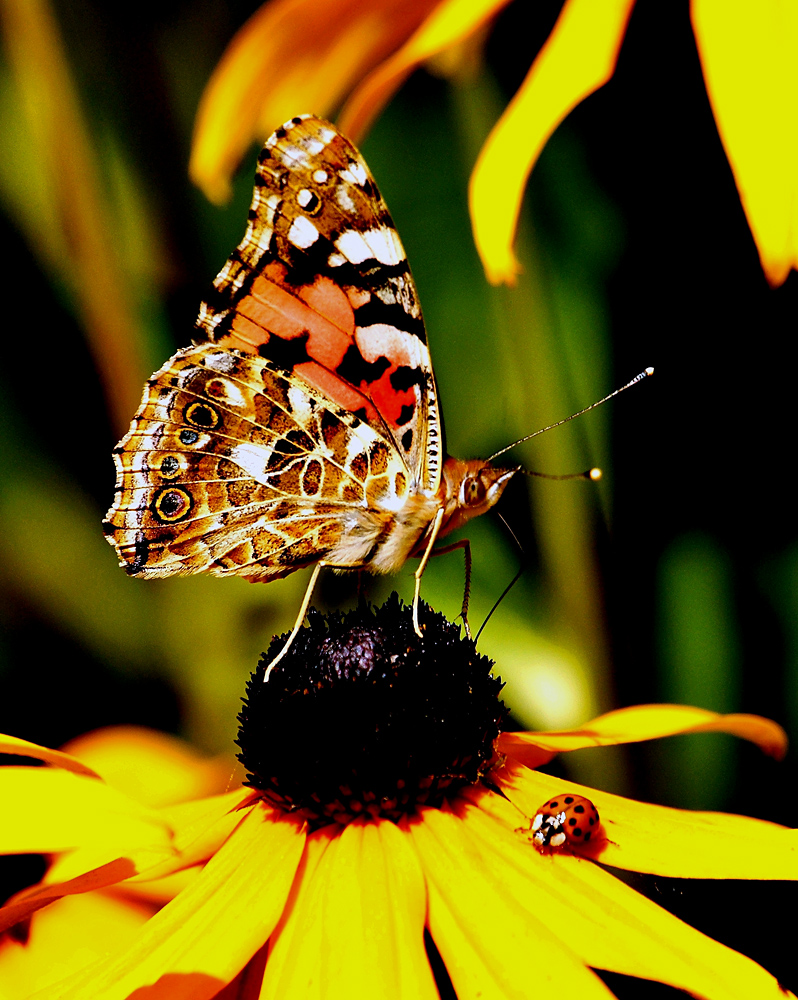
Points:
(436, 527)
(299, 619)
(465, 545)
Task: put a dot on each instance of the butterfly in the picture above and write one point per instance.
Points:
(302, 427)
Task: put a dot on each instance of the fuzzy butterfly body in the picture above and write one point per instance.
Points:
(303, 426)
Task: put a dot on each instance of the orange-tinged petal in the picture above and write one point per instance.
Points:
(291, 56)
(28, 901)
(493, 945)
(356, 925)
(66, 937)
(644, 722)
(578, 58)
(202, 939)
(451, 22)
(609, 925)
(677, 842)
(47, 810)
(748, 55)
(22, 748)
(150, 766)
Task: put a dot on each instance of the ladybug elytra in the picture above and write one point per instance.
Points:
(566, 819)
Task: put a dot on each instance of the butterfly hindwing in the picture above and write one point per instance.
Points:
(233, 467)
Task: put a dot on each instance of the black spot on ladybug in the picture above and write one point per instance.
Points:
(579, 809)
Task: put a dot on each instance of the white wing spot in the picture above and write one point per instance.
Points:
(223, 361)
(302, 233)
(385, 245)
(252, 458)
(300, 405)
(305, 197)
(353, 246)
(336, 259)
(344, 199)
(320, 176)
(355, 174)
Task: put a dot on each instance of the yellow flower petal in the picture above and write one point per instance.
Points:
(47, 810)
(493, 945)
(13, 745)
(291, 56)
(201, 940)
(748, 55)
(578, 57)
(150, 766)
(644, 722)
(68, 936)
(199, 829)
(450, 23)
(356, 926)
(609, 925)
(676, 842)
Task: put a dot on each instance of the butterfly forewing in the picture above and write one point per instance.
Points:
(320, 285)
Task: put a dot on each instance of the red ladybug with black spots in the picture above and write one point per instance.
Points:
(570, 820)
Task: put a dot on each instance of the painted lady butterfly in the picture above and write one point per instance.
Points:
(303, 426)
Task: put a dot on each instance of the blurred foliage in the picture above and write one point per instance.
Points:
(671, 579)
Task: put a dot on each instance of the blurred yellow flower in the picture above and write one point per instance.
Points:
(306, 893)
(298, 55)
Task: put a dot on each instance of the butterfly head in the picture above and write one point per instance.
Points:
(469, 488)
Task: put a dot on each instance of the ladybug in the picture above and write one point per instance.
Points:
(566, 819)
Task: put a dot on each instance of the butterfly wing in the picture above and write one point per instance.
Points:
(233, 466)
(300, 427)
(320, 285)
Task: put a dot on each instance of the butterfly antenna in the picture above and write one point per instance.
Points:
(512, 582)
(580, 475)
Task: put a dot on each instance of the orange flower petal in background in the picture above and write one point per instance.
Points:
(450, 23)
(292, 56)
(749, 55)
(579, 57)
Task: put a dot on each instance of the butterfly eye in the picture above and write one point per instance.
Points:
(473, 491)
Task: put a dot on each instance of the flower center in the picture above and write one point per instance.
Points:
(362, 717)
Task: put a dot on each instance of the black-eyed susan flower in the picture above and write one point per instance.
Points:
(382, 799)
(367, 50)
